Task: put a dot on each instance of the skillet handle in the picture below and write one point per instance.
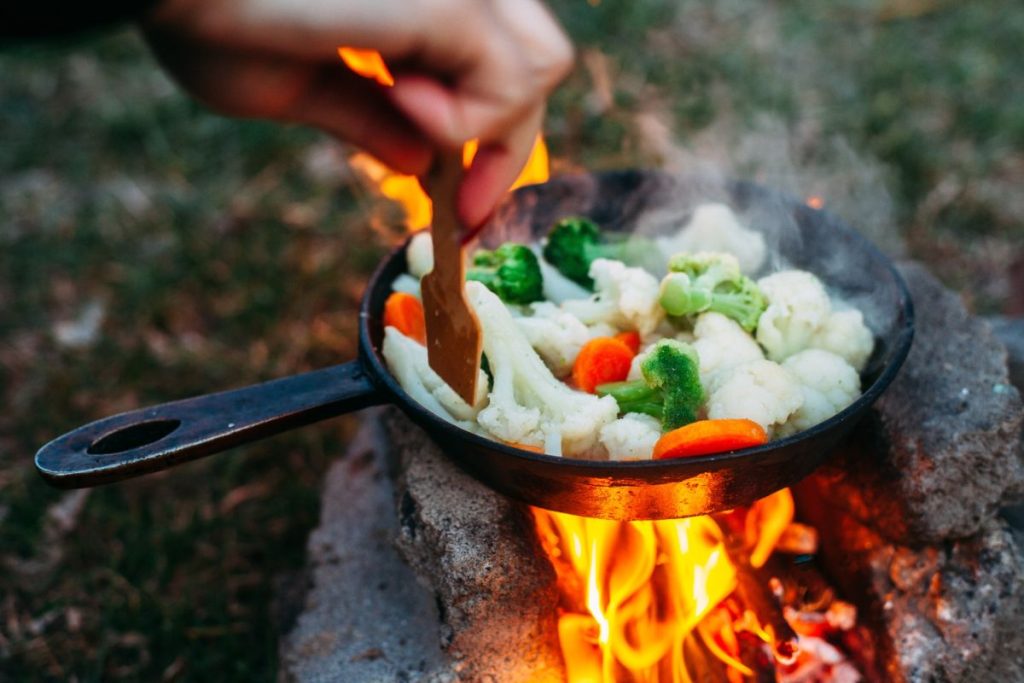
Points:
(158, 437)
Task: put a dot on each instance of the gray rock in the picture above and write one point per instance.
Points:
(948, 612)
(478, 552)
(365, 619)
(472, 600)
(938, 455)
(1010, 331)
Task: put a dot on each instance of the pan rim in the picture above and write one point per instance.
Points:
(693, 465)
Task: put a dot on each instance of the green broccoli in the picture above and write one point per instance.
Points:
(670, 390)
(711, 282)
(511, 271)
(574, 243)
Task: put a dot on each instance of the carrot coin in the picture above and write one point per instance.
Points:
(601, 360)
(404, 312)
(709, 436)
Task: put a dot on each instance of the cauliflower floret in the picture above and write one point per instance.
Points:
(407, 360)
(721, 344)
(555, 334)
(758, 390)
(635, 372)
(406, 283)
(419, 255)
(828, 383)
(631, 437)
(797, 306)
(846, 335)
(714, 227)
(527, 404)
(557, 287)
(626, 298)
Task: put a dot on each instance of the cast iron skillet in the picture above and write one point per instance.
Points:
(159, 437)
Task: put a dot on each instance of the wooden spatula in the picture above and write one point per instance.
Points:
(454, 341)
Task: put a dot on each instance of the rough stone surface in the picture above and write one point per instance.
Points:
(948, 612)
(435, 580)
(366, 619)
(1010, 331)
(939, 453)
(478, 552)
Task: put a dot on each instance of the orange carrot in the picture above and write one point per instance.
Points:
(630, 339)
(709, 436)
(601, 360)
(405, 313)
(525, 446)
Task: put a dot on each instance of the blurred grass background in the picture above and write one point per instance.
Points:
(150, 250)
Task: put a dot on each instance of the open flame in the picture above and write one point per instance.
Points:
(406, 189)
(642, 600)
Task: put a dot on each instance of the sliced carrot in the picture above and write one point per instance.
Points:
(405, 313)
(709, 436)
(630, 339)
(601, 360)
(526, 446)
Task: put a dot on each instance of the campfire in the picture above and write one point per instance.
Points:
(854, 575)
(691, 599)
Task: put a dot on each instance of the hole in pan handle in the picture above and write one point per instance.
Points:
(158, 437)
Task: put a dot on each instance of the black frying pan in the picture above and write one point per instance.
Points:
(159, 437)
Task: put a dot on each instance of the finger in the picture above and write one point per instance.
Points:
(330, 97)
(357, 110)
(495, 167)
(500, 71)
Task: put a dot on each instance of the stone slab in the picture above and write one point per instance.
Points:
(478, 552)
(1010, 331)
(366, 619)
(938, 455)
(942, 613)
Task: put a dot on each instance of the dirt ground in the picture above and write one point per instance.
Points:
(150, 250)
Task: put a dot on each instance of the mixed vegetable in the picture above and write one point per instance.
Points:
(604, 348)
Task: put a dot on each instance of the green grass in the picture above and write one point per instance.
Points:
(221, 256)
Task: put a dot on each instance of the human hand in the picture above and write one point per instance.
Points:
(463, 69)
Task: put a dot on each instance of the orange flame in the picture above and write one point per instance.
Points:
(367, 63)
(634, 592)
(406, 189)
(815, 202)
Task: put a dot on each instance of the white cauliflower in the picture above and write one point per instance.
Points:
(555, 334)
(557, 287)
(721, 344)
(406, 283)
(714, 227)
(797, 306)
(527, 404)
(828, 384)
(846, 335)
(758, 390)
(635, 372)
(419, 255)
(407, 360)
(626, 298)
(631, 437)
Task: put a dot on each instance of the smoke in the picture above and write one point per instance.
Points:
(794, 152)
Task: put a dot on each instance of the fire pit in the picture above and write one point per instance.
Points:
(889, 564)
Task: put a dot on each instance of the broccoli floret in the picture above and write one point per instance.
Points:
(670, 390)
(711, 281)
(574, 243)
(511, 271)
